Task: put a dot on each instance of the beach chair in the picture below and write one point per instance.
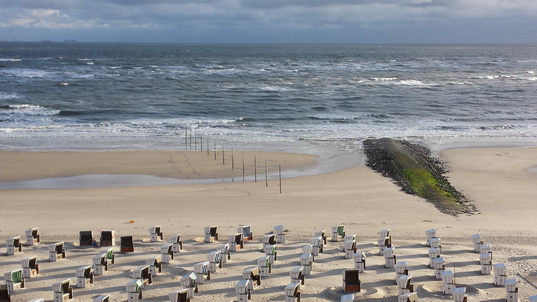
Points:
(401, 269)
(211, 234)
(84, 276)
(306, 260)
(155, 264)
(143, 274)
(317, 244)
(236, 242)
(404, 284)
(100, 264)
(225, 252)
(384, 242)
(338, 232)
(215, 261)
(435, 242)
(180, 295)
(349, 237)
(408, 297)
(350, 249)
(500, 274)
(320, 233)
(431, 233)
(477, 240)
(56, 251)
(434, 252)
(102, 298)
(134, 290)
(127, 245)
(486, 263)
(280, 233)
(202, 272)
(166, 252)
(270, 251)
(86, 238)
(439, 267)
(297, 274)
(359, 261)
(252, 274)
(511, 290)
(347, 298)
(5, 296)
(62, 290)
(109, 252)
(459, 294)
(265, 268)
(32, 236)
(292, 292)
(30, 267)
(269, 239)
(155, 234)
(14, 245)
(485, 248)
(190, 282)
(14, 280)
(448, 282)
(246, 232)
(390, 258)
(351, 281)
(108, 238)
(177, 244)
(308, 249)
(243, 288)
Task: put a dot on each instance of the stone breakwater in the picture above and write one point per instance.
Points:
(413, 168)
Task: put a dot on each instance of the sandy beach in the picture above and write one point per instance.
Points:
(501, 182)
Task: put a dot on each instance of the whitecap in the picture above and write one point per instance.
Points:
(9, 60)
(8, 96)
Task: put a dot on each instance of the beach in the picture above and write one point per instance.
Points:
(499, 181)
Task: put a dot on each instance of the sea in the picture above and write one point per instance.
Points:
(320, 99)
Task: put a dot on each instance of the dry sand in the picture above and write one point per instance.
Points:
(501, 182)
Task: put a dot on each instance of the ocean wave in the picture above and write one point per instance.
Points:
(9, 96)
(9, 60)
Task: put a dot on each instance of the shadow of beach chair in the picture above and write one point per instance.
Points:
(84, 276)
(243, 289)
(134, 290)
(351, 281)
(156, 234)
(56, 251)
(180, 295)
(292, 292)
(14, 245)
(108, 238)
(30, 267)
(127, 245)
(32, 236)
(62, 290)
(86, 238)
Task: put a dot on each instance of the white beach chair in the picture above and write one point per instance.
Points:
(265, 268)
(317, 244)
(177, 244)
(351, 281)
(236, 242)
(100, 265)
(30, 267)
(431, 233)
(32, 236)
(134, 290)
(477, 240)
(306, 260)
(384, 241)
(511, 290)
(292, 292)
(14, 280)
(155, 234)
(439, 267)
(320, 233)
(434, 252)
(190, 282)
(280, 234)
(215, 261)
(338, 232)
(408, 297)
(486, 263)
(62, 290)
(500, 274)
(485, 248)
(448, 282)
(308, 249)
(459, 294)
(359, 261)
(56, 251)
(225, 251)
(401, 269)
(349, 237)
(246, 232)
(252, 274)
(84, 276)
(389, 257)
(143, 274)
(243, 289)
(350, 249)
(211, 234)
(14, 245)
(404, 284)
(180, 295)
(435, 242)
(297, 274)
(269, 239)
(155, 264)
(270, 251)
(202, 272)
(166, 252)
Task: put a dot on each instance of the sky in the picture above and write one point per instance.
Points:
(271, 21)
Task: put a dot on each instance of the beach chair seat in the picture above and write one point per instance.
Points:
(155, 234)
(86, 238)
(166, 252)
(32, 236)
(134, 290)
(30, 267)
(102, 298)
(265, 267)
(190, 282)
(236, 242)
(211, 234)
(408, 297)
(56, 251)
(202, 272)
(143, 274)
(500, 274)
(448, 282)
(459, 294)
(215, 261)
(155, 264)
(243, 289)
(292, 292)
(177, 244)
(62, 290)
(246, 232)
(225, 252)
(359, 261)
(180, 295)
(404, 284)
(127, 245)
(108, 238)
(338, 232)
(84, 276)
(14, 280)
(401, 269)
(14, 245)
(351, 281)
(252, 274)
(306, 260)
(390, 258)
(280, 234)
(297, 275)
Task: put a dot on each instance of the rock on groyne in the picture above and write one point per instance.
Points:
(414, 169)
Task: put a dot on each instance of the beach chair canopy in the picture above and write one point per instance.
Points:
(351, 276)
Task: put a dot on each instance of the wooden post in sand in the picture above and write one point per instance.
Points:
(201, 143)
(214, 149)
(207, 147)
(186, 138)
(266, 174)
(255, 169)
(232, 160)
(223, 156)
(242, 166)
(280, 177)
